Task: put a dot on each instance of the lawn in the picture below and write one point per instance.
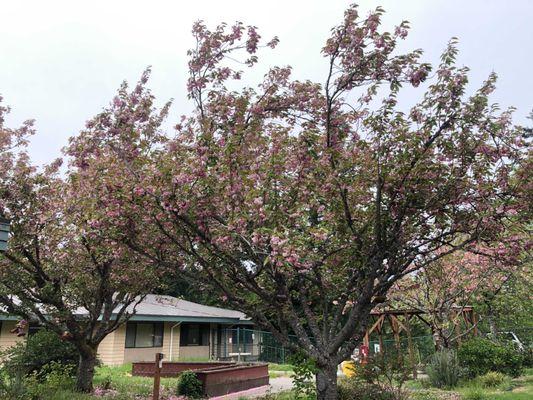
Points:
(123, 385)
(277, 370)
(520, 389)
(514, 389)
(127, 387)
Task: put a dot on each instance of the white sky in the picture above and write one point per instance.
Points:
(61, 61)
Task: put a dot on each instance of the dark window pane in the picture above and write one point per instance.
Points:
(184, 332)
(130, 334)
(145, 335)
(248, 336)
(193, 338)
(204, 340)
(158, 334)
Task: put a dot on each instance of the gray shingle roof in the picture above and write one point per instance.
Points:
(168, 306)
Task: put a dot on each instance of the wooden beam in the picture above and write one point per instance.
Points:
(396, 333)
(411, 347)
(377, 324)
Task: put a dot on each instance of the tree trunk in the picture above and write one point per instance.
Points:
(87, 362)
(326, 383)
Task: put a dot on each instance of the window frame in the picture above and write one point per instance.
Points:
(158, 334)
(204, 333)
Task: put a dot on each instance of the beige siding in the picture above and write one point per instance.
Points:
(8, 339)
(111, 349)
(173, 350)
(192, 353)
(148, 354)
(141, 354)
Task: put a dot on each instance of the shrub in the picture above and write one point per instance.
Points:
(384, 376)
(444, 370)
(528, 357)
(304, 375)
(480, 356)
(474, 393)
(354, 389)
(492, 379)
(12, 387)
(189, 385)
(40, 349)
(54, 377)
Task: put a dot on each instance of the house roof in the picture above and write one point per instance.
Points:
(167, 308)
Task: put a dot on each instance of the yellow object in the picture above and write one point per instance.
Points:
(348, 368)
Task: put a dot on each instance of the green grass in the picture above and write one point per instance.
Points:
(128, 386)
(279, 370)
(511, 389)
(280, 367)
(122, 381)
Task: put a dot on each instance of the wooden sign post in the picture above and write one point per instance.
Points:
(157, 375)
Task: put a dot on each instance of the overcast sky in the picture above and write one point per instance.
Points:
(61, 61)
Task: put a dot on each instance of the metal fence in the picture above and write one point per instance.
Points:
(253, 345)
(250, 345)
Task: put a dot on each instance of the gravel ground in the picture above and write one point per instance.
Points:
(276, 385)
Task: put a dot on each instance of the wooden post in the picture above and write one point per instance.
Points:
(410, 344)
(474, 321)
(380, 333)
(366, 340)
(396, 333)
(157, 375)
(457, 324)
(364, 350)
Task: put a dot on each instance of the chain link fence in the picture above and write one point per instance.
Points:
(242, 344)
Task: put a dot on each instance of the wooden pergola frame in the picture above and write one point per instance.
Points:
(400, 321)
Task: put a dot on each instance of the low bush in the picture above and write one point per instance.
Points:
(528, 357)
(12, 387)
(382, 376)
(475, 393)
(354, 389)
(53, 377)
(304, 376)
(492, 379)
(38, 351)
(479, 356)
(444, 370)
(189, 385)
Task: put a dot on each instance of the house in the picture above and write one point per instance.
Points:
(180, 329)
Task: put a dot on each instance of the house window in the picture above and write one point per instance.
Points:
(144, 334)
(194, 335)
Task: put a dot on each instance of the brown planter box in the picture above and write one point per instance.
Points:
(173, 369)
(218, 378)
(218, 381)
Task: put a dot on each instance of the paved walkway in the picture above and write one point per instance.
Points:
(276, 385)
